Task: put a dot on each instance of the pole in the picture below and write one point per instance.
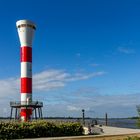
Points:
(106, 119)
(83, 116)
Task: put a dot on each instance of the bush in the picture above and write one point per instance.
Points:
(132, 138)
(35, 129)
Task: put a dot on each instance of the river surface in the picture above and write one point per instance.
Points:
(124, 123)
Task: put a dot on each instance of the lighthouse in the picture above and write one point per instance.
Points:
(26, 30)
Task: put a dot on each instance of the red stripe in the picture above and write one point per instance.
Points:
(26, 54)
(26, 113)
(26, 85)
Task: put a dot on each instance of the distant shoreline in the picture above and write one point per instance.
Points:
(77, 118)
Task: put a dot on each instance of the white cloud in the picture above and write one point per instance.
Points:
(126, 50)
(73, 108)
(70, 104)
(43, 81)
(88, 98)
(9, 87)
(80, 76)
(115, 106)
(95, 64)
(53, 79)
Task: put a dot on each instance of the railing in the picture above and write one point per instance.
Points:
(26, 103)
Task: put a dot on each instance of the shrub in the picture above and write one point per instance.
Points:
(35, 129)
(132, 138)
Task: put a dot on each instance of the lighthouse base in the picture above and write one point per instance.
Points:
(31, 110)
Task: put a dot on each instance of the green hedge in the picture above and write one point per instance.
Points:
(132, 138)
(16, 130)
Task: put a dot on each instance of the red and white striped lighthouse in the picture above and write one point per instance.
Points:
(26, 31)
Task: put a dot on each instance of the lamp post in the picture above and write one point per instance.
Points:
(83, 116)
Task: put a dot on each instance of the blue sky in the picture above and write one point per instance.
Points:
(85, 55)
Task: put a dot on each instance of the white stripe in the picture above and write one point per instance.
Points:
(26, 97)
(26, 36)
(26, 69)
(22, 118)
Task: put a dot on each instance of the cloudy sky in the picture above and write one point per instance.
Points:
(85, 56)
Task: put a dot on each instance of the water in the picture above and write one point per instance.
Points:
(124, 123)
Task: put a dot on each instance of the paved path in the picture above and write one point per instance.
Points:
(108, 132)
(117, 131)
